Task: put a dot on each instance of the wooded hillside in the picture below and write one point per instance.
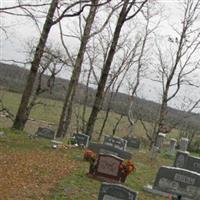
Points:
(13, 78)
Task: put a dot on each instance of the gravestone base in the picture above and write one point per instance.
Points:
(149, 188)
(106, 179)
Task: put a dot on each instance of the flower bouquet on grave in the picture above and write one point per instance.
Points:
(90, 156)
(126, 168)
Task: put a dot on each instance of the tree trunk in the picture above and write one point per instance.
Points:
(23, 112)
(162, 116)
(105, 71)
(67, 107)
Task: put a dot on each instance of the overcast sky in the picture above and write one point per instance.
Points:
(13, 44)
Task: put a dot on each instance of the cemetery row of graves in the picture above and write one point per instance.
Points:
(112, 161)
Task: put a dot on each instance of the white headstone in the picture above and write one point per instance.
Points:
(160, 140)
(172, 146)
(154, 152)
(2, 133)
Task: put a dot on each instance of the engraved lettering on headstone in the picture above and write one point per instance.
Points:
(184, 179)
(108, 165)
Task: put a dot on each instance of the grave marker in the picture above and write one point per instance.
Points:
(102, 148)
(116, 142)
(186, 161)
(82, 139)
(110, 191)
(45, 133)
(183, 144)
(132, 142)
(172, 146)
(106, 168)
(176, 181)
(2, 133)
(160, 140)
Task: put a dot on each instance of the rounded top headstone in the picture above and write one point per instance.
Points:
(184, 139)
(173, 139)
(162, 134)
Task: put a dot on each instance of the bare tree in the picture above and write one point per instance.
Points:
(67, 107)
(67, 10)
(123, 16)
(183, 61)
(115, 82)
(22, 114)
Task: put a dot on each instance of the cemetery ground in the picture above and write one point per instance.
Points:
(31, 169)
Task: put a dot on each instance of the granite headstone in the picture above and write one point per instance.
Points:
(178, 181)
(82, 139)
(186, 161)
(103, 148)
(110, 191)
(183, 144)
(116, 142)
(45, 133)
(132, 142)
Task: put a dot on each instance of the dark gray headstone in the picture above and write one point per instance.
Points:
(186, 161)
(110, 191)
(116, 142)
(45, 133)
(183, 144)
(193, 164)
(178, 181)
(82, 139)
(102, 148)
(132, 142)
(181, 159)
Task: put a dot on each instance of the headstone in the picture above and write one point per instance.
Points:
(111, 191)
(45, 133)
(2, 133)
(183, 144)
(177, 181)
(103, 148)
(132, 142)
(181, 159)
(186, 161)
(160, 140)
(116, 142)
(154, 153)
(193, 164)
(82, 139)
(107, 167)
(172, 146)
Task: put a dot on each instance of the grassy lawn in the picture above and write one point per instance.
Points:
(45, 173)
(65, 179)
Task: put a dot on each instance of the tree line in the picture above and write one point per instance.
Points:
(118, 46)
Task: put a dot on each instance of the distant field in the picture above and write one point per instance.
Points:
(49, 112)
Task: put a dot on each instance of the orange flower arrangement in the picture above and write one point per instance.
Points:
(89, 156)
(127, 167)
